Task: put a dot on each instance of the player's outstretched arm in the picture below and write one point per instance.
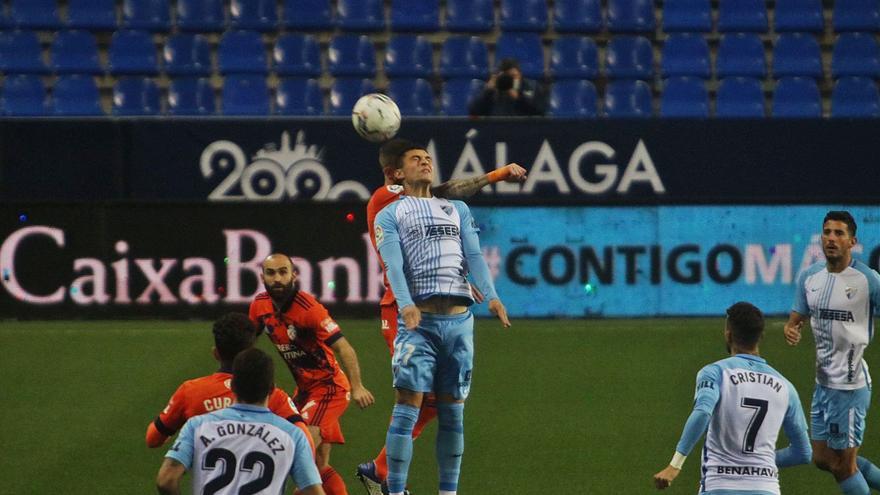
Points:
(793, 327)
(168, 479)
(348, 357)
(479, 270)
(465, 188)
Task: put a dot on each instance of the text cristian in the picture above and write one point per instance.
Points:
(759, 378)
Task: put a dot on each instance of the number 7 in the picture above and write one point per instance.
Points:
(760, 407)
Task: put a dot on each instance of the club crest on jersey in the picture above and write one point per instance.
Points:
(395, 188)
(447, 209)
(291, 332)
(850, 292)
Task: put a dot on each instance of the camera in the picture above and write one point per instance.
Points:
(504, 82)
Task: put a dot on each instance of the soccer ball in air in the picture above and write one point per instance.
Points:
(375, 117)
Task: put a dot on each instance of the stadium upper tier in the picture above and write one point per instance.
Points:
(597, 58)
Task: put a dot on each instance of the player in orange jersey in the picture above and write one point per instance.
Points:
(373, 473)
(309, 341)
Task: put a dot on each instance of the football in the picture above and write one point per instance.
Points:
(375, 117)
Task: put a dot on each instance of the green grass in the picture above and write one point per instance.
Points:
(568, 406)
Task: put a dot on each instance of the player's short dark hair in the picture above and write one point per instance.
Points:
(507, 64)
(746, 324)
(253, 375)
(233, 333)
(842, 216)
(393, 150)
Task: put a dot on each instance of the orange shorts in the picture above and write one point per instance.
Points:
(389, 325)
(322, 405)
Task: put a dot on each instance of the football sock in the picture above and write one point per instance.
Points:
(332, 482)
(450, 444)
(426, 414)
(398, 445)
(870, 472)
(855, 485)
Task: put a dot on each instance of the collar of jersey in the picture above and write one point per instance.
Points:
(752, 357)
(248, 407)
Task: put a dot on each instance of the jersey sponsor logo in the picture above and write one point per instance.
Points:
(747, 471)
(329, 325)
(380, 234)
(850, 366)
(705, 384)
(836, 315)
(441, 231)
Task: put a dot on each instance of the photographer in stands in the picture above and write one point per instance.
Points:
(507, 93)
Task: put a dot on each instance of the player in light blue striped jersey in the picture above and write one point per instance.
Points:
(429, 246)
(740, 403)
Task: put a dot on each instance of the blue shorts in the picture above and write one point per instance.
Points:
(438, 356)
(837, 417)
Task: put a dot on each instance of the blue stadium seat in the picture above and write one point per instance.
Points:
(200, 15)
(797, 54)
(20, 52)
(352, 55)
(855, 54)
(457, 94)
(345, 92)
(577, 16)
(413, 96)
(75, 52)
(245, 94)
(187, 54)
(856, 15)
(686, 54)
(523, 15)
(241, 52)
(34, 14)
(799, 15)
(132, 52)
(152, 15)
(409, 56)
(297, 55)
(415, 15)
(136, 96)
(190, 96)
(684, 97)
(629, 57)
(99, 15)
(476, 16)
(75, 95)
(571, 98)
(741, 54)
(797, 97)
(687, 16)
(739, 97)
(742, 16)
(628, 99)
(574, 57)
(24, 95)
(526, 48)
(463, 56)
(855, 97)
(360, 15)
(259, 15)
(631, 16)
(298, 96)
(320, 17)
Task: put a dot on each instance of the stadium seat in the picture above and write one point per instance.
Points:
(525, 48)
(75, 52)
(258, 15)
(24, 95)
(855, 97)
(200, 15)
(631, 16)
(856, 15)
(298, 96)
(742, 16)
(687, 16)
(628, 99)
(132, 52)
(686, 54)
(241, 52)
(345, 92)
(797, 54)
(797, 97)
(75, 95)
(360, 15)
(415, 15)
(739, 97)
(463, 56)
(571, 98)
(297, 55)
(457, 94)
(855, 54)
(99, 15)
(34, 14)
(136, 96)
(187, 54)
(245, 94)
(799, 15)
(574, 57)
(523, 15)
(320, 16)
(151, 15)
(684, 97)
(409, 56)
(741, 54)
(577, 16)
(20, 52)
(190, 96)
(352, 55)
(413, 96)
(629, 57)
(476, 16)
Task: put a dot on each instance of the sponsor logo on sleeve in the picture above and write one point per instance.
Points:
(329, 325)
(380, 234)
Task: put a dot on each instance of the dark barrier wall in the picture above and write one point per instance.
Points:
(569, 162)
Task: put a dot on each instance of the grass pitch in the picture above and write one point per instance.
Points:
(557, 406)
